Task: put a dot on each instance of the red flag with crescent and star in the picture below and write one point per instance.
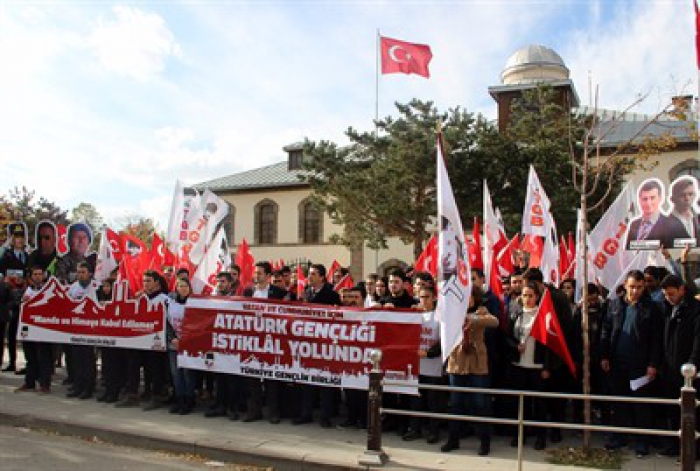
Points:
(547, 331)
(401, 57)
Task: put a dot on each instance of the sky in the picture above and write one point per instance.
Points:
(110, 103)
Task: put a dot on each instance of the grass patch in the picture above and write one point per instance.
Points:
(598, 458)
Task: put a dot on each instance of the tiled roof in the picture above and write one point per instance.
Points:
(626, 131)
(270, 176)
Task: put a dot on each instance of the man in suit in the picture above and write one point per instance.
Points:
(684, 196)
(263, 289)
(13, 266)
(652, 225)
(318, 291)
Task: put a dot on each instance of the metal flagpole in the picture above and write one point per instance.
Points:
(376, 119)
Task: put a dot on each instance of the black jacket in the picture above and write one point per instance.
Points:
(663, 231)
(648, 330)
(273, 293)
(543, 355)
(404, 301)
(326, 295)
(6, 302)
(681, 337)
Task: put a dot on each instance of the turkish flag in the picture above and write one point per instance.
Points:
(505, 257)
(534, 245)
(405, 58)
(427, 262)
(62, 239)
(116, 244)
(334, 266)
(547, 331)
(476, 259)
(301, 281)
(157, 252)
(345, 282)
(564, 261)
(245, 260)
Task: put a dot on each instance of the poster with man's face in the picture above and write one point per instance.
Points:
(79, 239)
(46, 237)
(665, 218)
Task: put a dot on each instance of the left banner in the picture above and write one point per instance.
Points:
(306, 343)
(52, 316)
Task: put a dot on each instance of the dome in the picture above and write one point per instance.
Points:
(533, 64)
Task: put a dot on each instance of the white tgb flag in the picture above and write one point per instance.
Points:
(211, 212)
(494, 232)
(106, 262)
(454, 275)
(607, 240)
(177, 214)
(537, 207)
(216, 260)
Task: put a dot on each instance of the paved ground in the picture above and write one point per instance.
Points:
(283, 446)
(25, 449)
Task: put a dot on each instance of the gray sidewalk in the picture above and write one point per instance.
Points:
(282, 446)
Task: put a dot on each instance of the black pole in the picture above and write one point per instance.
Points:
(688, 407)
(374, 455)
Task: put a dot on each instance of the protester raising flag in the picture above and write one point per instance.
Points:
(213, 210)
(454, 275)
(404, 57)
(547, 331)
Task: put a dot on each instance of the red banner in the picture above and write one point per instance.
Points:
(52, 316)
(306, 343)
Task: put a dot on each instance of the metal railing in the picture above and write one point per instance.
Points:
(375, 456)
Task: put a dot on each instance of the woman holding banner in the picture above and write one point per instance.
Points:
(183, 379)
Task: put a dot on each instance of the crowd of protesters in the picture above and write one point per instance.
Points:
(647, 329)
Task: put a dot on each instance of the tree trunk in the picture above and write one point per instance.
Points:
(584, 305)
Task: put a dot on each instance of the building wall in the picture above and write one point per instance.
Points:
(289, 246)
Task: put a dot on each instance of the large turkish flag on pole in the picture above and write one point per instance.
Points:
(405, 58)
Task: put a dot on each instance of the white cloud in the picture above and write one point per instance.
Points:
(133, 43)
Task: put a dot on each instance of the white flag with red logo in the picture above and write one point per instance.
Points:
(547, 331)
(212, 211)
(216, 260)
(495, 238)
(106, 262)
(454, 275)
(537, 207)
(607, 240)
(177, 215)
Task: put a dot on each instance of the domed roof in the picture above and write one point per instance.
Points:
(534, 63)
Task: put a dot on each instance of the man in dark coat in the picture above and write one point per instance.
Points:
(632, 349)
(263, 289)
(318, 291)
(652, 225)
(681, 345)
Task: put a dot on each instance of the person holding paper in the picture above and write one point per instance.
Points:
(632, 348)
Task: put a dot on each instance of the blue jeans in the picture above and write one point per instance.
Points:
(183, 379)
(477, 404)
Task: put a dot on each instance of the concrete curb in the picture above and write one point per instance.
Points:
(222, 451)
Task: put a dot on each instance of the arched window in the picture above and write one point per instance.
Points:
(687, 167)
(310, 223)
(266, 222)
